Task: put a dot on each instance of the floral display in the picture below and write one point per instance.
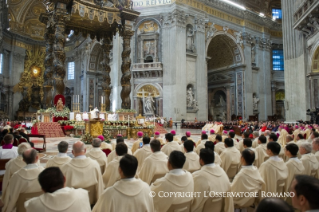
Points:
(68, 128)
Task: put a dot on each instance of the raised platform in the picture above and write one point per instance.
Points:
(50, 129)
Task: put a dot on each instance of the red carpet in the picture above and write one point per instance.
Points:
(50, 130)
(159, 129)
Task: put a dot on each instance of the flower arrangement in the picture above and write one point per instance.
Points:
(68, 128)
(64, 113)
(87, 138)
(107, 136)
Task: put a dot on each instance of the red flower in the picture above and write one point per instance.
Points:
(67, 128)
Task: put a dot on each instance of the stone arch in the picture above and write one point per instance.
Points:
(230, 42)
(214, 109)
(95, 56)
(156, 85)
(148, 40)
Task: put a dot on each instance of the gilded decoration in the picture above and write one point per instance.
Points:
(96, 128)
(148, 27)
(148, 89)
(315, 61)
(280, 95)
(24, 18)
(31, 80)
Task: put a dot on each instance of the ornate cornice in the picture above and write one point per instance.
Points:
(175, 18)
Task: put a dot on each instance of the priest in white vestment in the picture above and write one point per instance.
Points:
(183, 139)
(247, 143)
(157, 136)
(296, 132)
(274, 169)
(210, 145)
(143, 153)
(289, 139)
(111, 175)
(204, 136)
(177, 180)
(192, 159)
(97, 154)
(241, 147)
(308, 159)
(230, 156)
(129, 193)
(300, 139)
(82, 171)
(232, 135)
(175, 137)
(57, 197)
(170, 144)
(294, 165)
(23, 181)
(201, 143)
(61, 158)
(219, 146)
(261, 151)
(210, 178)
(138, 143)
(247, 180)
(188, 135)
(282, 137)
(112, 155)
(154, 164)
(255, 139)
(212, 136)
(13, 166)
(7, 150)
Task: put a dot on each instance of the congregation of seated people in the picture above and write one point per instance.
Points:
(168, 174)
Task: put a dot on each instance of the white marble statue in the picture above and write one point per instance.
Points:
(255, 102)
(149, 104)
(94, 113)
(221, 101)
(190, 97)
(239, 39)
(190, 39)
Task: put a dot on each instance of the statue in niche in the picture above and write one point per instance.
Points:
(190, 39)
(223, 116)
(190, 97)
(149, 104)
(253, 53)
(221, 102)
(255, 102)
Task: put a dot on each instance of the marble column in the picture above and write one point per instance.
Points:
(248, 78)
(295, 65)
(201, 71)
(174, 65)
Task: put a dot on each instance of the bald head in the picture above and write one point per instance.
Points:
(78, 148)
(30, 156)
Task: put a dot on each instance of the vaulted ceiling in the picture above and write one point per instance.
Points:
(23, 16)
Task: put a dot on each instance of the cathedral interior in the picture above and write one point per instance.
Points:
(179, 59)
